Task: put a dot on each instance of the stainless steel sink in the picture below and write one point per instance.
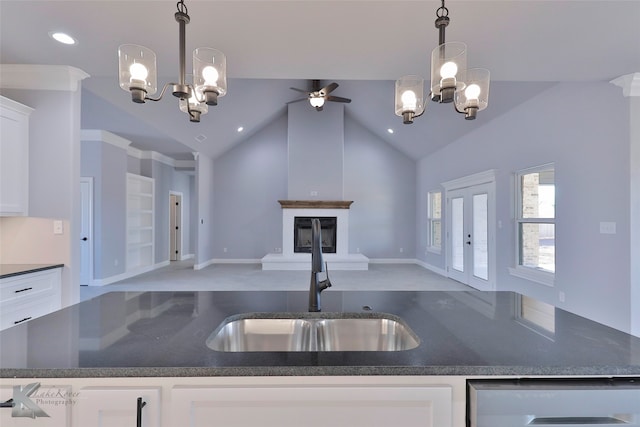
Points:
(312, 332)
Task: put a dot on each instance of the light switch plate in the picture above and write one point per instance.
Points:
(57, 227)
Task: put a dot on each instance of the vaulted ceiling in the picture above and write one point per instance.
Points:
(364, 45)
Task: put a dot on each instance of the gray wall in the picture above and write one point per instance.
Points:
(382, 183)
(316, 152)
(589, 143)
(204, 235)
(107, 165)
(248, 182)
(252, 177)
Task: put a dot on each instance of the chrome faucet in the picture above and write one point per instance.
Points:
(317, 266)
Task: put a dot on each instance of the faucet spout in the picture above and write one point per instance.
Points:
(317, 266)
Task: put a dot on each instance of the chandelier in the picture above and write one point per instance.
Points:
(451, 81)
(138, 73)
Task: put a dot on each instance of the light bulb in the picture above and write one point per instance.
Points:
(138, 72)
(317, 101)
(210, 76)
(448, 70)
(409, 100)
(472, 91)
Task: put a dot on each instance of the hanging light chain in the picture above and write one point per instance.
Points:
(182, 8)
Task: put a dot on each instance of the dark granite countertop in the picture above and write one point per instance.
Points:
(9, 270)
(151, 334)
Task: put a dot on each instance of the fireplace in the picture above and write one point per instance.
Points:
(302, 234)
(296, 238)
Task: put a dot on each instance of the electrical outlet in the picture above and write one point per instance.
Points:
(401, 250)
(224, 250)
(313, 193)
(561, 296)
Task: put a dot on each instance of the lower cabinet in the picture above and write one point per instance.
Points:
(27, 296)
(363, 401)
(311, 406)
(118, 407)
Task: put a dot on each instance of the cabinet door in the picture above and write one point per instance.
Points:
(55, 402)
(117, 407)
(312, 406)
(14, 157)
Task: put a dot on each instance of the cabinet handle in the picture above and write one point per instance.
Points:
(23, 320)
(141, 405)
(23, 290)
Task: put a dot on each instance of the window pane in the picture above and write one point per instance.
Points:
(537, 246)
(538, 194)
(457, 234)
(480, 236)
(436, 233)
(435, 205)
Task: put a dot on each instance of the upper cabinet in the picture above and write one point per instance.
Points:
(14, 158)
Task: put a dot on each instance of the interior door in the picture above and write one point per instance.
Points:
(470, 236)
(86, 231)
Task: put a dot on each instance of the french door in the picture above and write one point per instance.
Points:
(471, 236)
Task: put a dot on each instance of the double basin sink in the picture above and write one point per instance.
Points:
(310, 332)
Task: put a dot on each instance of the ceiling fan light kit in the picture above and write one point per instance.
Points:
(451, 81)
(317, 95)
(138, 73)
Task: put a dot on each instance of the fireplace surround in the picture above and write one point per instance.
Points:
(290, 259)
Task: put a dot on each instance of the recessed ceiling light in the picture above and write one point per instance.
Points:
(240, 129)
(390, 130)
(62, 38)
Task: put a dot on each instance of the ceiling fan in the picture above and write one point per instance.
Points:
(317, 96)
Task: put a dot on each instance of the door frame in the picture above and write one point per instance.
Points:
(89, 181)
(486, 178)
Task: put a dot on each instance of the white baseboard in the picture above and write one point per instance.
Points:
(187, 256)
(127, 274)
(392, 261)
(432, 268)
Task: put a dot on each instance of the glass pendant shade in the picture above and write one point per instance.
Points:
(475, 96)
(209, 74)
(137, 70)
(409, 99)
(194, 108)
(448, 66)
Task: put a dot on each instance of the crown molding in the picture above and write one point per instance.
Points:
(41, 77)
(104, 136)
(629, 83)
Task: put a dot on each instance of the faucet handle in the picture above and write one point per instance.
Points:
(326, 282)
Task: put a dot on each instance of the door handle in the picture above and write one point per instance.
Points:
(84, 239)
(140, 405)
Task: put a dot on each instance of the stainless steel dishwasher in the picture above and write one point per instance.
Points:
(554, 402)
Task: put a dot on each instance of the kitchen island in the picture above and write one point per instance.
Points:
(159, 339)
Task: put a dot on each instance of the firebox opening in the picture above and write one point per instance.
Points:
(302, 234)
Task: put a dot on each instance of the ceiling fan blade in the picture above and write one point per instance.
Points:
(298, 100)
(328, 88)
(299, 90)
(338, 99)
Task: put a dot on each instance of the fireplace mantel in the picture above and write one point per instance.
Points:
(315, 204)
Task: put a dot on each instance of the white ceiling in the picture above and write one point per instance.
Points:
(364, 45)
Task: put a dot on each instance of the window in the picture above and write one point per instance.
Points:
(434, 219)
(535, 224)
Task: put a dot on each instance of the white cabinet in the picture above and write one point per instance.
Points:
(55, 402)
(140, 219)
(293, 406)
(14, 157)
(27, 296)
(118, 407)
